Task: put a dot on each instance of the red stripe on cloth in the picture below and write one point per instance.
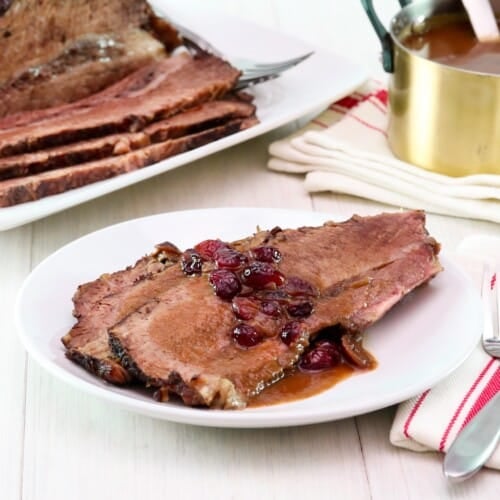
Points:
(488, 392)
(367, 97)
(377, 104)
(359, 95)
(366, 124)
(460, 407)
(338, 109)
(352, 100)
(348, 102)
(320, 123)
(382, 96)
(414, 410)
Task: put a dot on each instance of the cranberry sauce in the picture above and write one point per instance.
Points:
(267, 303)
(260, 294)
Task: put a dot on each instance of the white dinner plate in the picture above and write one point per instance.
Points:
(307, 88)
(419, 342)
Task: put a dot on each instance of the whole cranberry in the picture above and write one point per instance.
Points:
(226, 284)
(267, 254)
(191, 262)
(322, 356)
(261, 274)
(291, 332)
(246, 335)
(228, 258)
(208, 248)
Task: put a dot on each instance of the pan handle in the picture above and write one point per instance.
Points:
(382, 33)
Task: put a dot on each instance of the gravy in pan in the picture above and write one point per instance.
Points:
(455, 44)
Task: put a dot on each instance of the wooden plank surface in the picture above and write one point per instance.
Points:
(15, 264)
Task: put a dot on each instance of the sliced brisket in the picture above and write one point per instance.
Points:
(200, 80)
(205, 116)
(174, 333)
(100, 304)
(35, 187)
(86, 343)
(137, 83)
(90, 91)
(58, 51)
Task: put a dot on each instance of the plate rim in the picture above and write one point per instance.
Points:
(248, 418)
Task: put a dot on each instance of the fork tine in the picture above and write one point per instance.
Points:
(488, 328)
(248, 82)
(253, 76)
(275, 66)
(495, 297)
(494, 284)
(491, 310)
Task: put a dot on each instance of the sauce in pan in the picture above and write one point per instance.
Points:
(455, 44)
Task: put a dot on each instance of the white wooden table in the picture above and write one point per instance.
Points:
(56, 443)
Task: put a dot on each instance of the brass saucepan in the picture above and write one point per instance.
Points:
(442, 118)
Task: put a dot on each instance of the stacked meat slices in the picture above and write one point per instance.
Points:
(168, 107)
(55, 51)
(161, 322)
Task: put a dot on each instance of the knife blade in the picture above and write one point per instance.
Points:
(475, 444)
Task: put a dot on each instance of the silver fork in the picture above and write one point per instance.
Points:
(480, 437)
(252, 72)
(491, 300)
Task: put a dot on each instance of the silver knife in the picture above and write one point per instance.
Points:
(475, 444)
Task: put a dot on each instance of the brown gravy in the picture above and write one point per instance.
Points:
(455, 44)
(300, 385)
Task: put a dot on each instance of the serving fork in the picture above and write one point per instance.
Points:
(480, 437)
(252, 72)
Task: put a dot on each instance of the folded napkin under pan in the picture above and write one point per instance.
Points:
(345, 150)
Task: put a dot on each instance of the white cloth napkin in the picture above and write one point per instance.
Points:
(432, 420)
(345, 150)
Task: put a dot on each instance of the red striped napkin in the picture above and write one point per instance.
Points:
(432, 420)
(345, 150)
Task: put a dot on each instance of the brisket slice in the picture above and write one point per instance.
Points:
(199, 80)
(99, 304)
(172, 332)
(58, 51)
(202, 117)
(135, 84)
(88, 346)
(80, 71)
(35, 187)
